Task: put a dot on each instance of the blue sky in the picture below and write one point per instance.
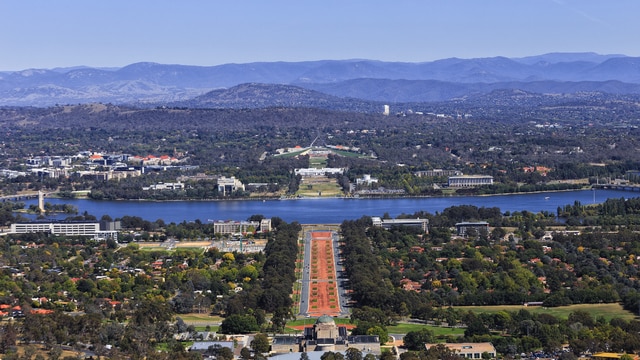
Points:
(114, 33)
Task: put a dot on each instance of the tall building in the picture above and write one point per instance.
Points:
(386, 110)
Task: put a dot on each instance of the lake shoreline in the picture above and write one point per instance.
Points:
(361, 197)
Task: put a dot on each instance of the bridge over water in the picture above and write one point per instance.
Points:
(626, 187)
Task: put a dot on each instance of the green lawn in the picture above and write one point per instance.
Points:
(200, 319)
(608, 311)
(153, 248)
(330, 189)
(213, 328)
(349, 154)
(404, 328)
(317, 162)
(291, 154)
(311, 321)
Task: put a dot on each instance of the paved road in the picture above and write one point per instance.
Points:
(304, 291)
(340, 277)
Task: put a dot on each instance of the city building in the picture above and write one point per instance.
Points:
(229, 185)
(165, 186)
(72, 228)
(366, 179)
(99, 230)
(437, 172)
(240, 227)
(463, 227)
(391, 223)
(470, 180)
(469, 350)
(307, 172)
(265, 225)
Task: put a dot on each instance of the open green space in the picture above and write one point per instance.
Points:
(317, 162)
(607, 311)
(403, 328)
(323, 189)
(203, 319)
(291, 154)
(348, 154)
(153, 248)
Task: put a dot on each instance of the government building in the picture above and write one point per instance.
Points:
(470, 180)
(325, 336)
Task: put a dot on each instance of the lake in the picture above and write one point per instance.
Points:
(329, 210)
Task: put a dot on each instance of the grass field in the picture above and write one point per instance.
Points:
(200, 319)
(404, 328)
(317, 162)
(153, 248)
(292, 154)
(319, 186)
(349, 154)
(607, 311)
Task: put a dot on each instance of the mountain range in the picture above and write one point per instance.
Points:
(317, 83)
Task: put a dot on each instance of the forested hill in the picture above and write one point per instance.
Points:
(251, 96)
(504, 105)
(126, 119)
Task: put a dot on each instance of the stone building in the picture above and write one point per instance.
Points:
(325, 336)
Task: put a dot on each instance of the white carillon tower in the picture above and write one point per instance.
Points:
(41, 201)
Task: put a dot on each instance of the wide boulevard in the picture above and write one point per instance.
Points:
(322, 275)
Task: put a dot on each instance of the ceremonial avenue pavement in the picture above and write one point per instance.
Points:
(323, 287)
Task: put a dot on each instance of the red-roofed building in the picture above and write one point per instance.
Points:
(41, 311)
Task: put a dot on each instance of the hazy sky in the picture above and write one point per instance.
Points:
(114, 33)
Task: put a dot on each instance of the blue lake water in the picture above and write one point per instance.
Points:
(329, 211)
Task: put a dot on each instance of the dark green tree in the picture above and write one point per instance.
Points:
(260, 343)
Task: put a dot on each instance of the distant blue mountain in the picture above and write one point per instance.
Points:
(152, 83)
(554, 58)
